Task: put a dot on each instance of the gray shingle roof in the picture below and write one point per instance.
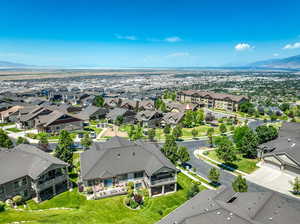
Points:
(89, 111)
(248, 208)
(119, 156)
(25, 160)
(288, 141)
(114, 113)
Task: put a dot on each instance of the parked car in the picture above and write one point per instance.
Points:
(93, 135)
(80, 135)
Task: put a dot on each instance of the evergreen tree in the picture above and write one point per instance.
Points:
(98, 101)
(249, 144)
(151, 134)
(86, 141)
(167, 129)
(226, 150)
(63, 149)
(240, 184)
(209, 134)
(183, 155)
(5, 141)
(43, 141)
(214, 175)
(223, 128)
(177, 132)
(169, 149)
(194, 133)
(296, 185)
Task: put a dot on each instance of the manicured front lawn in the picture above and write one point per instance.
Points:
(104, 211)
(14, 130)
(243, 164)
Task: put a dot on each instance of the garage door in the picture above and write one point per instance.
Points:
(292, 170)
(272, 162)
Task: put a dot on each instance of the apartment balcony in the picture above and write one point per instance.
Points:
(49, 183)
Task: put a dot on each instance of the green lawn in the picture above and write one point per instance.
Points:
(104, 211)
(6, 124)
(243, 164)
(14, 130)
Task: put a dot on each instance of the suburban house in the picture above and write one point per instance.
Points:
(129, 104)
(211, 100)
(146, 105)
(107, 168)
(223, 206)
(57, 121)
(149, 118)
(92, 113)
(283, 152)
(128, 115)
(172, 118)
(179, 107)
(28, 120)
(112, 102)
(31, 173)
(10, 115)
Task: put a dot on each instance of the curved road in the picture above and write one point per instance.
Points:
(226, 178)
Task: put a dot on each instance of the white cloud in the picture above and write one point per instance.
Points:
(130, 37)
(292, 46)
(173, 39)
(275, 54)
(243, 47)
(178, 54)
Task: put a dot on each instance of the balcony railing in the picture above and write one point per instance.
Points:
(50, 183)
(154, 182)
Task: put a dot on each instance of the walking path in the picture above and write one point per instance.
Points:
(195, 179)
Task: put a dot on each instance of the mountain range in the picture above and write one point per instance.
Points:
(281, 63)
(285, 63)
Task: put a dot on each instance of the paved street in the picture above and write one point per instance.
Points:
(226, 177)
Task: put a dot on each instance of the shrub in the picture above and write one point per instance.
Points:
(133, 204)
(89, 190)
(2, 206)
(130, 185)
(17, 199)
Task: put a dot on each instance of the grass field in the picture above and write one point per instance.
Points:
(16, 130)
(104, 211)
(243, 164)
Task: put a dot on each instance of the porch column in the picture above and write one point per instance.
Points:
(175, 188)
(54, 190)
(163, 189)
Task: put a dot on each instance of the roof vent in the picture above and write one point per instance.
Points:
(228, 218)
(218, 213)
(271, 218)
(133, 153)
(293, 144)
(119, 155)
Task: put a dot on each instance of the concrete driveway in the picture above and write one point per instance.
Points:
(272, 178)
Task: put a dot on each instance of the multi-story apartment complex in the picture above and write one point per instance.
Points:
(211, 100)
(31, 173)
(107, 168)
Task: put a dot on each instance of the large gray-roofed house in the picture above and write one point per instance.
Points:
(284, 152)
(30, 172)
(120, 160)
(92, 113)
(225, 206)
(128, 115)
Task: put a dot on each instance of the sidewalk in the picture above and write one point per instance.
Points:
(199, 152)
(195, 179)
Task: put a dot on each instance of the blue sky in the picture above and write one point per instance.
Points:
(148, 33)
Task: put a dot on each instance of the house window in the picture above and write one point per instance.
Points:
(123, 177)
(139, 174)
(24, 181)
(1, 189)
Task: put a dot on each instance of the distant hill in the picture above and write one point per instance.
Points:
(8, 64)
(290, 63)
